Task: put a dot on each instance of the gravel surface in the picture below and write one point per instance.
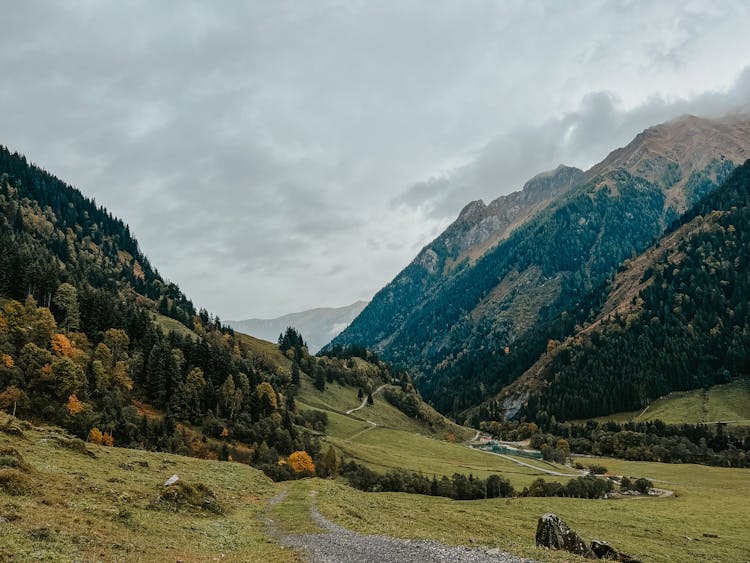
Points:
(339, 545)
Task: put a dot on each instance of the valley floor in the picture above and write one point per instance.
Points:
(73, 506)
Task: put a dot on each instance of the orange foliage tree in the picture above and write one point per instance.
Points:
(62, 346)
(74, 406)
(301, 463)
(95, 436)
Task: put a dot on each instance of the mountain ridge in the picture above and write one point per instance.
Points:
(448, 324)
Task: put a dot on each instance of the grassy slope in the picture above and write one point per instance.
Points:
(93, 509)
(730, 402)
(399, 441)
(169, 324)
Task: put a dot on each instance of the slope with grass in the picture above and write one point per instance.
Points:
(383, 438)
(729, 403)
(86, 502)
(651, 529)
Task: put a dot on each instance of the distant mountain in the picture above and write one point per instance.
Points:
(318, 326)
(477, 306)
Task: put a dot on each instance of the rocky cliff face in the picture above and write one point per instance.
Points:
(480, 227)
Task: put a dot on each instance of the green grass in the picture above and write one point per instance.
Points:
(169, 324)
(382, 449)
(708, 500)
(337, 399)
(402, 442)
(98, 509)
(730, 402)
(271, 358)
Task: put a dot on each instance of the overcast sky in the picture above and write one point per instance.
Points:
(277, 156)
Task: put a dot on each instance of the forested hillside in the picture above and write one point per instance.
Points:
(83, 342)
(684, 324)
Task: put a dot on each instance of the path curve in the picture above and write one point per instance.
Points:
(356, 434)
(661, 493)
(364, 401)
(530, 466)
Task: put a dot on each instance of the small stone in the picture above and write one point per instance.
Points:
(171, 481)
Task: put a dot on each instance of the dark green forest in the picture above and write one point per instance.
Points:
(689, 328)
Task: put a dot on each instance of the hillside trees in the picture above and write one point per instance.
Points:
(688, 328)
(144, 387)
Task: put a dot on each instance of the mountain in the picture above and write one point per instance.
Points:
(677, 317)
(318, 326)
(469, 324)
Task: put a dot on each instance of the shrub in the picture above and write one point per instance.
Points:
(301, 463)
(182, 495)
(13, 482)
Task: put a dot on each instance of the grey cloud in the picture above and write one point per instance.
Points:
(272, 156)
(580, 138)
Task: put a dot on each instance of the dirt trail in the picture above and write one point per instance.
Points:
(364, 401)
(339, 545)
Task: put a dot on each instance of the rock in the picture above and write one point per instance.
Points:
(552, 532)
(171, 481)
(707, 535)
(605, 551)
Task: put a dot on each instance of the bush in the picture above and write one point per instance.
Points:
(597, 469)
(13, 482)
(459, 487)
(183, 495)
(641, 485)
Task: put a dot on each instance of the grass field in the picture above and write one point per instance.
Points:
(85, 509)
(653, 529)
(81, 508)
(402, 442)
(721, 403)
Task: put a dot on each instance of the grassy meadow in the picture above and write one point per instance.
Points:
(652, 529)
(721, 403)
(68, 505)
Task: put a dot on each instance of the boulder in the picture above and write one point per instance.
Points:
(605, 551)
(553, 533)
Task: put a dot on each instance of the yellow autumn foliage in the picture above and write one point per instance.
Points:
(301, 462)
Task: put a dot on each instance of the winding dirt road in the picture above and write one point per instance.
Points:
(364, 402)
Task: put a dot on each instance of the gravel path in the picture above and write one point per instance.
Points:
(339, 545)
(364, 401)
